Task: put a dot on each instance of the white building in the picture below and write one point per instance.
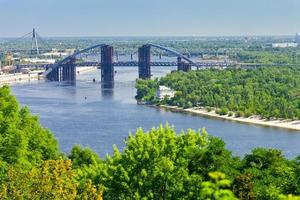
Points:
(58, 54)
(37, 60)
(284, 45)
(164, 92)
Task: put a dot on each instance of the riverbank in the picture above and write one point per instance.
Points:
(286, 124)
(8, 79)
(81, 70)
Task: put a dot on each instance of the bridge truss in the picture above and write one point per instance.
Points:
(65, 69)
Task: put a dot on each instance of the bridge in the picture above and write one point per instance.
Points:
(65, 70)
(203, 64)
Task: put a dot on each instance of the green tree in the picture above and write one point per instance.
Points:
(217, 188)
(53, 179)
(163, 165)
(243, 187)
(23, 140)
(271, 92)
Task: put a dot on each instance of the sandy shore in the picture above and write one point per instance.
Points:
(81, 70)
(286, 124)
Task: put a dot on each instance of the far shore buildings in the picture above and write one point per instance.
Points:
(39, 60)
(165, 92)
(285, 45)
(294, 44)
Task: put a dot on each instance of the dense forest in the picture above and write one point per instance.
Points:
(288, 56)
(159, 164)
(270, 92)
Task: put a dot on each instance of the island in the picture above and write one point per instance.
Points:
(265, 96)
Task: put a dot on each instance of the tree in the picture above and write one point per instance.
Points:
(272, 173)
(54, 179)
(243, 187)
(23, 140)
(264, 91)
(162, 165)
(217, 188)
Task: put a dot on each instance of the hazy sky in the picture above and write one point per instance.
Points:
(149, 17)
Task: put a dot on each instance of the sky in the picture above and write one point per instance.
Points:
(149, 17)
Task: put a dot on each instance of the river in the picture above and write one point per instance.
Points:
(90, 115)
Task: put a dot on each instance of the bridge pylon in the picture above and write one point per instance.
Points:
(183, 66)
(34, 43)
(144, 62)
(107, 64)
(65, 72)
(68, 71)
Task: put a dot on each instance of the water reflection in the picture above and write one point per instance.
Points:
(107, 89)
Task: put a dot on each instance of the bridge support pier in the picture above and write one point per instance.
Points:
(68, 71)
(107, 66)
(65, 72)
(144, 62)
(179, 64)
(183, 66)
(53, 75)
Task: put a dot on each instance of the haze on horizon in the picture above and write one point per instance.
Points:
(150, 17)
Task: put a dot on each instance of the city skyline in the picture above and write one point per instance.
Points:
(150, 18)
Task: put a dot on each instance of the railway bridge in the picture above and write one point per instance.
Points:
(65, 70)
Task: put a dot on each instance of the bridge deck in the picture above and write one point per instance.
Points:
(128, 64)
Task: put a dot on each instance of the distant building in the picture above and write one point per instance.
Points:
(57, 54)
(165, 92)
(9, 59)
(37, 60)
(284, 45)
(297, 38)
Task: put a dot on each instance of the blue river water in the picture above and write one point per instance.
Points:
(90, 115)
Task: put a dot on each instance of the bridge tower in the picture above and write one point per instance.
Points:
(144, 62)
(34, 43)
(107, 66)
(68, 71)
(187, 67)
(179, 64)
(65, 72)
(183, 66)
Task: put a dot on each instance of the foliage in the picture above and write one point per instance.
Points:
(271, 173)
(277, 56)
(271, 92)
(23, 141)
(83, 157)
(29, 159)
(163, 165)
(54, 179)
(217, 188)
(159, 164)
(146, 90)
(87, 165)
(243, 186)
(289, 197)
